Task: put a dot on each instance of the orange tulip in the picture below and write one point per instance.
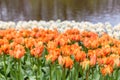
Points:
(17, 52)
(9, 37)
(19, 40)
(75, 48)
(91, 43)
(68, 62)
(106, 51)
(106, 70)
(60, 60)
(5, 48)
(65, 61)
(37, 51)
(101, 61)
(66, 50)
(35, 29)
(109, 61)
(4, 41)
(74, 37)
(13, 45)
(24, 33)
(85, 64)
(80, 56)
(72, 31)
(116, 59)
(87, 42)
(51, 44)
(61, 40)
(11, 53)
(98, 52)
(53, 54)
(29, 42)
(93, 59)
(89, 34)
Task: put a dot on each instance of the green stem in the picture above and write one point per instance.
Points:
(87, 74)
(63, 74)
(4, 58)
(76, 71)
(36, 75)
(19, 65)
(117, 73)
(57, 74)
(38, 63)
(33, 62)
(16, 66)
(92, 72)
(50, 71)
(37, 70)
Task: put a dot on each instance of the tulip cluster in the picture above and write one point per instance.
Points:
(41, 54)
(111, 30)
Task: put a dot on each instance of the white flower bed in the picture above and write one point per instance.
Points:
(113, 31)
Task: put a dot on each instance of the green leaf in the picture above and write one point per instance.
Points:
(118, 76)
(32, 78)
(2, 77)
(13, 75)
(21, 74)
(58, 71)
(8, 69)
(96, 76)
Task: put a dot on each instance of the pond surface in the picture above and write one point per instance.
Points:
(79, 10)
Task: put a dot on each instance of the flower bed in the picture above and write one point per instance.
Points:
(62, 26)
(43, 54)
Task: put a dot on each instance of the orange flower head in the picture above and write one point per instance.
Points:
(29, 42)
(93, 59)
(66, 50)
(53, 54)
(116, 59)
(72, 31)
(5, 48)
(67, 62)
(51, 44)
(110, 61)
(80, 56)
(85, 64)
(19, 51)
(75, 48)
(106, 70)
(35, 29)
(61, 40)
(37, 51)
(19, 40)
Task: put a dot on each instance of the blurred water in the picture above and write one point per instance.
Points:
(79, 10)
